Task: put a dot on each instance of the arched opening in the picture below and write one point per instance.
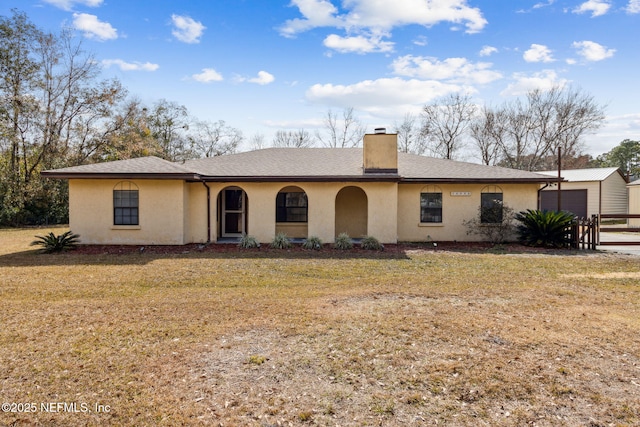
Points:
(233, 209)
(351, 212)
(292, 212)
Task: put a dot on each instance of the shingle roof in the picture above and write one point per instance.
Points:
(581, 175)
(140, 167)
(301, 163)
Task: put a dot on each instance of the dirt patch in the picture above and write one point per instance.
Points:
(367, 367)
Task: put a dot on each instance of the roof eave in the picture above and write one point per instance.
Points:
(478, 180)
(119, 175)
(307, 178)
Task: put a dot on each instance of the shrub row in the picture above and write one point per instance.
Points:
(343, 242)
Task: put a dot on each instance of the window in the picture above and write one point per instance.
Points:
(491, 205)
(291, 207)
(125, 204)
(431, 204)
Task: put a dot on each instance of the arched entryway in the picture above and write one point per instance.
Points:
(232, 212)
(352, 212)
(292, 212)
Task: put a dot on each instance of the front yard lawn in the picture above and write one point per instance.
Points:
(266, 338)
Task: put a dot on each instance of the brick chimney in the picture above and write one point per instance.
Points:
(380, 152)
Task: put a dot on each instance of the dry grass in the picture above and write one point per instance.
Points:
(248, 339)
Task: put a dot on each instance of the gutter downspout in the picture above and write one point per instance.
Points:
(208, 211)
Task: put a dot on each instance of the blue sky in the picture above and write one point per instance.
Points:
(263, 66)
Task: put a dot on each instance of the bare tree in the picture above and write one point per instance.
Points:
(293, 139)
(488, 130)
(211, 139)
(545, 121)
(343, 132)
(410, 137)
(445, 123)
(257, 141)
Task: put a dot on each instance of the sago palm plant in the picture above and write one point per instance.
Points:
(51, 243)
(544, 228)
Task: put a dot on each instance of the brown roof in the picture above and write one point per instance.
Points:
(299, 164)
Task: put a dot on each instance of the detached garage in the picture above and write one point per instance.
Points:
(587, 192)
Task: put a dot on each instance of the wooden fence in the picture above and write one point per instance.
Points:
(583, 233)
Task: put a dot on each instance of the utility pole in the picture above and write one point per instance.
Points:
(559, 179)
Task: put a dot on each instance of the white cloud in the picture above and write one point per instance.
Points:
(523, 83)
(592, 51)
(93, 28)
(380, 96)
(543, 4)
(317, 13)
(186, 29)
(130, 66)
(458, 70)
(488, 50)
(421, 41)
(263, 78)
(538, 53)
(633, 6)
(207, 75)
(357, 44)
(68, 4)
(381, 16)
(595, 7)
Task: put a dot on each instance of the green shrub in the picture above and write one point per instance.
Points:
(281, 241)
(343, 242)
(52, 243)
(248, 242)
(371, 243)
(312, 242)
(544, 228)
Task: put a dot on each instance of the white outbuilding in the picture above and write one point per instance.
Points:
(587, 192)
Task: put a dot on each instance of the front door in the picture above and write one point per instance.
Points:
(233, 212)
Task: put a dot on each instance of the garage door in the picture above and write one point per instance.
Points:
(574, 201)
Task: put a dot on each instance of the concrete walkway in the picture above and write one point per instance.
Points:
(620, 237)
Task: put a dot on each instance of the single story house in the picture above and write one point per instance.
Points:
(587, 192)
(302, 192)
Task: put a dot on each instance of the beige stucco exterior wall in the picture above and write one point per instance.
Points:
(172, 212)
(455, 209)
(352, 212)
(162, 211)
(321, 196)
(195, 225)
